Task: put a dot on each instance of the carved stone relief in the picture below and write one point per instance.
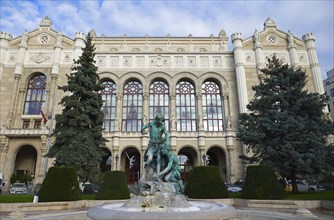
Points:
(178, 61)
(12, 57)
(204, 61)
(3, 143)
(67, 57)
(40, 57)
(229, 61)
(101, 61)
(249, 58)
(217, 61)
(114, 61)
(191, 61)
(302, 58)
(140, 61)
(127, 61)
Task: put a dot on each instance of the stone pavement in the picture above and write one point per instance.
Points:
(242, 213)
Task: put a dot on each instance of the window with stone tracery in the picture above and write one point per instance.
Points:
(132, 106)
(159, 100)
(185, 106)
(108, 94)
(212, 107)
(36, 95)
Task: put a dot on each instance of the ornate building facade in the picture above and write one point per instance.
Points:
(197, 83)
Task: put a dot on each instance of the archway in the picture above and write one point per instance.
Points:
(25, 162)
(187, 160)
(131, 158)
(106, 162)
(217, 158)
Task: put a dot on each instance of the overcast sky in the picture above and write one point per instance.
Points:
(177, 18)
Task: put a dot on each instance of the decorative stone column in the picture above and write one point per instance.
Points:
(43, 168)
(145, 116)
(55, 72)
(79, 43)
(118, 119)
(200, 126)
(258, 52)
(240, 72)
(4, 42)
(292, 49)
(173, 121)
(10, 122)
(225, 96)
(314, 62)
(18, 108)
(3, 153)
(230, 149)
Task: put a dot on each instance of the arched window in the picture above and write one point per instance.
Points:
(159, 100)
(108, 94)
(36, 95)
(212, 107)
(132, 106)
(185, 106)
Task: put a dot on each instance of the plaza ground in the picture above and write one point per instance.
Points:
(246, 209)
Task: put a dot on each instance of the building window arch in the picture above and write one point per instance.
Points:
(132, 106)
(185, 106)
(212, 106)
(108, 94)
(36, 95)
(159, 100)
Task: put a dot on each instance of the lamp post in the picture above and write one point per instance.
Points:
(116, 159)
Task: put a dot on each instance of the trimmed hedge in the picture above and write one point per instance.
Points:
(205, 182)
(114, 186)
(60, 184)
(261, 183)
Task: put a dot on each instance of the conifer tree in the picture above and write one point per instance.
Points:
(286, 127)
(78, 131)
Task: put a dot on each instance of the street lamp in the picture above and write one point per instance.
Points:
(116, 158)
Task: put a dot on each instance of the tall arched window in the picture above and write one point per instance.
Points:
(132, 106)
(36, 95)
(212, 107)
(159, 100)
(108, 94)
(185, 106)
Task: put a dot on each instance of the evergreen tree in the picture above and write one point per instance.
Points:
(286, 127)
(78, 131)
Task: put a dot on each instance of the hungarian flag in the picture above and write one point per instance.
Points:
(44, 118)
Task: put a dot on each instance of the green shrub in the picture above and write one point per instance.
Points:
(262, 183)
(20, 178)
(205, 182)
(114, 186)
(60, 184)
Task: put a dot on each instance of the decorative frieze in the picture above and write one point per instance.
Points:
(67, 57)
(216, 61)
(40, 57)
(12, 58)
(140, 61)
(101, 61)
(191, 61)
(114, 61)
(204, 61)
(178, 61)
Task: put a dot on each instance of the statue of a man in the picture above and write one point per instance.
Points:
(157, 129)
(172, 169)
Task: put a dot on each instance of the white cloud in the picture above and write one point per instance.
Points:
(178, 18)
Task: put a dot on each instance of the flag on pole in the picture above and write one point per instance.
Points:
(42, 113)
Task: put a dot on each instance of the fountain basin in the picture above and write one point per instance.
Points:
(198, 210)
